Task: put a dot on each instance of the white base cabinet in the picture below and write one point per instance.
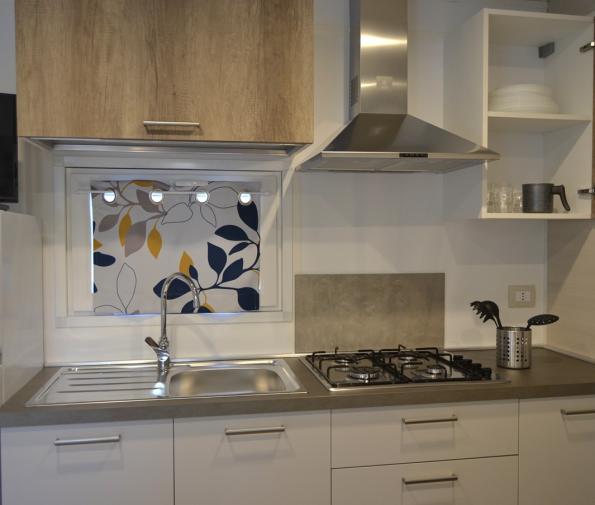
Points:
(253, 460)
(487, 481)
(557, 451)
(416, 433)
(125, 463)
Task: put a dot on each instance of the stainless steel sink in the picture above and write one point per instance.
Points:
(89, 384)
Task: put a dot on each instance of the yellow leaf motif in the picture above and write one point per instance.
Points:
(125, 225)
(143, 184)
(96, 244)
(208, 307)
(154, 242)
(185, 263)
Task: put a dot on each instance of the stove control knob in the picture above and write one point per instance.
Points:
(476, 367)
(457, 357)
(465, 362)
(486, 373)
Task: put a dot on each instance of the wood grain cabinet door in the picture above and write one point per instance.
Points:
(234, 70)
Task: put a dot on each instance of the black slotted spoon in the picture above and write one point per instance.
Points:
(541, 320)
(487, 310)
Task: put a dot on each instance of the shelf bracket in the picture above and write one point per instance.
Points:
(588, 47)
(587, 191)
(547, 49)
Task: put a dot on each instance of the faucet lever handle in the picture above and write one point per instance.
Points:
(151, 343)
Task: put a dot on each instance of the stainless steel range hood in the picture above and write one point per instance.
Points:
(381, 136)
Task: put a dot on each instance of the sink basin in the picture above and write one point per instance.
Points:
(231, 379)
(90, 384)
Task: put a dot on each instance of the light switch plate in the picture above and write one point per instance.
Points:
(521, 297)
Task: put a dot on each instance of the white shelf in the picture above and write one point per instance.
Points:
(536, 216)
(518, 28)
(533, 122)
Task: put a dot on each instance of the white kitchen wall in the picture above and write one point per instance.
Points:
(351, 223)
(375, 223)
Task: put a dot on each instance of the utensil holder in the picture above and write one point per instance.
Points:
(513, 347)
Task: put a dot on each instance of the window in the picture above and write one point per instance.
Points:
(127, 233)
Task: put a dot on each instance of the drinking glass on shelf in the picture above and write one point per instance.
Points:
(517, 200)
(504, 201)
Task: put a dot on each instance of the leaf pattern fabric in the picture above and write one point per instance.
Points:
(137, 243)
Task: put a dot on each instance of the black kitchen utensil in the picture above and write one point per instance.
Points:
(493, 308)
(541, 320)
(485, 310)
(540, 197)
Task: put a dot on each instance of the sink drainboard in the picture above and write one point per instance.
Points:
(91, 384)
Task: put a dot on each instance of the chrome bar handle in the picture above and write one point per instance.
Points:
(450, 419)
(565, 412)
(412, 482)
(254, 431)
(184, 124)
(586, 191)
(587, 47)
(86, 441)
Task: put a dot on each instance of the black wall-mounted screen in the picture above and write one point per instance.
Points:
(9, 189)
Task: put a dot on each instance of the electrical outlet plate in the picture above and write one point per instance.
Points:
(521, 297)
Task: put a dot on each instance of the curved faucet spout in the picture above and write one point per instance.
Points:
(162, 348)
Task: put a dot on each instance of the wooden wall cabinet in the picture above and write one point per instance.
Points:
(242, 69)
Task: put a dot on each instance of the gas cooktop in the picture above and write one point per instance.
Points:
(399, 366)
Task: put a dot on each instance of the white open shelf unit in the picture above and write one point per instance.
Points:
(498, 48)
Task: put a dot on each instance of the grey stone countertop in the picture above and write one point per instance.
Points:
(552, 374)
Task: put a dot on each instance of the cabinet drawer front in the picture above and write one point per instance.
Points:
(381, 436)
(256, 460)
(488, 481)
(557, 450)
(92, 464)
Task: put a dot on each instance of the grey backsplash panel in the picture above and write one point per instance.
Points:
(368, 311)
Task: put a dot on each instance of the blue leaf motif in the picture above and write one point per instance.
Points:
(204, 310)
(188, 308)
(193, 272)
(176, 289)
(217, 257)
(103, 260)
(239, 247)
(249, 214)
(94, 288)
(248, 299)
(233, 271)
(231, 232)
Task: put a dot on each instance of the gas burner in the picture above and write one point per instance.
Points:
(364, 373)
(395, 366)
(345, 360)
(435, 370)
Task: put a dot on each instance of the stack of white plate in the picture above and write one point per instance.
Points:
(523, 98)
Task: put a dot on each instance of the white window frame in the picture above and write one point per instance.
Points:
(276, 231)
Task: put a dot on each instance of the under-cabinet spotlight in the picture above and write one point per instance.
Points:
(245, 198)
(202, 196)
(156, 196)
(109, 196)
